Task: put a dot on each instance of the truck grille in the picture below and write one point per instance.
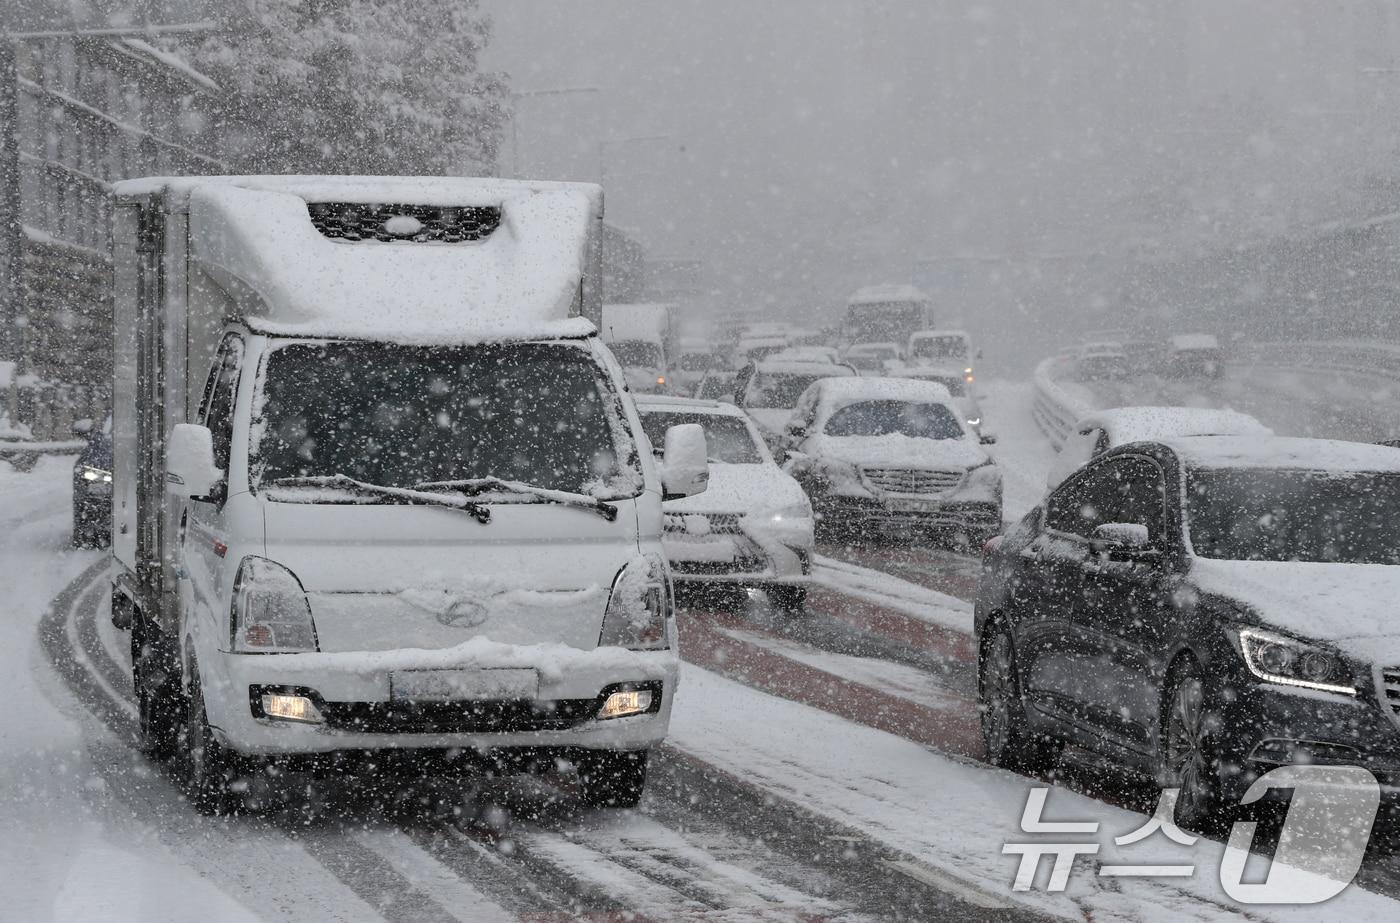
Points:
(353, 221)
(720, 523)
(913, 480)
(1389, 692)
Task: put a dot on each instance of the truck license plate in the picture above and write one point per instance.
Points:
(463, 685)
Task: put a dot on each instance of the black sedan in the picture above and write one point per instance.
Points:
(92, 485)
(1204, 609)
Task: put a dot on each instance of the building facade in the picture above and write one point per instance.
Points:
(77, 113)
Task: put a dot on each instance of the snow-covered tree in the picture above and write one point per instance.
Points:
(356, 86)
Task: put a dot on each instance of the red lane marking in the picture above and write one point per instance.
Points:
(894, 562)
(876, 619)
(948, 731)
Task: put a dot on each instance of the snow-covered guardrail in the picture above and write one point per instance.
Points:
(1360, 357)
(1055, 409)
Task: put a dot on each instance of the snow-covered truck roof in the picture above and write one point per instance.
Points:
(350, 257)
(886, 294)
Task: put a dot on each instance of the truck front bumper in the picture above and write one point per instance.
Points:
(358, 710)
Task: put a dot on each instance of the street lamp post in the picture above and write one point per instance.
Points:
(516, 96)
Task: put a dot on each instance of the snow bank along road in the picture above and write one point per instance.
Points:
(820, 768)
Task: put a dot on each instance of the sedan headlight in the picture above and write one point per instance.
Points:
(1276, 658)
(271, 614)
(787, 515)
(640, 607)
(91, 474)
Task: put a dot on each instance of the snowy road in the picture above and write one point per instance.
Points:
(825, 768)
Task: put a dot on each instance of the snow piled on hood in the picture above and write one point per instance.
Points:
(897, 450)
(1344, 603)
(288, 279)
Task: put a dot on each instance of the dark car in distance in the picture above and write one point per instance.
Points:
(92, 485)
(1204, 609)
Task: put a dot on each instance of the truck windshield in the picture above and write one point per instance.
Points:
(396, 416)
(637, 353)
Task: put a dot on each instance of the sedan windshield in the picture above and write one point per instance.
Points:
(885, 418)
(397, 416)
(1277, 515)
(778, 391)
(727, 439)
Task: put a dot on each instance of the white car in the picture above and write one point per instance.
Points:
(1099, 432)
(753, 525)
(768, 390)
(875, 452)
(871, 358)
(958, 387)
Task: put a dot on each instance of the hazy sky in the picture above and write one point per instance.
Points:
(818, 144)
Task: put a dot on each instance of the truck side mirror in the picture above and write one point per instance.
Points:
(685, 466)
(189, 462)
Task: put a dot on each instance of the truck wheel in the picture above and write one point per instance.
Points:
(156, 678)
(790, 599)
(613, 778)
(211, 770)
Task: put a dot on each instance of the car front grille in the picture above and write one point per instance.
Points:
(720, 523)
(913, 480)
(1389, 692)
(457, 717)
(353, 221)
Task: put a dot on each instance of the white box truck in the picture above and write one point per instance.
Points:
(640, 337)
(378, 486)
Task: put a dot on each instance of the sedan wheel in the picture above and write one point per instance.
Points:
(1185, 759)
(1010, 741)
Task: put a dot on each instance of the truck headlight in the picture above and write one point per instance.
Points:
(271, 614)
(639, 607)
(1276, 658)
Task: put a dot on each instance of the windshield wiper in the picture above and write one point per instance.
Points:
(479, 512)
(472, 487)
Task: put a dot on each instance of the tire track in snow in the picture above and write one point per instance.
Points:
(87, 669)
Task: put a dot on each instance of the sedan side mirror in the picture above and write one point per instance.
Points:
(189, 462)
(685, 466)
(1120, 538)
(81, 428)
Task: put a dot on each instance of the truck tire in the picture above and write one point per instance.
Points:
(613, 778)
(155, 674)
(211, 771)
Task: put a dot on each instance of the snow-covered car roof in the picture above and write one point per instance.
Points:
(256, 238)
(880, 294)
(807, 354)
(752, 342)
(843, 391)
(1101, 348)
(777, 366)
(1195, 341)
(1283, 452)
(1139, 424)
(664, 403)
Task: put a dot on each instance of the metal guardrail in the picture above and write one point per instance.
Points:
(1054, 409)
(1357, 357)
